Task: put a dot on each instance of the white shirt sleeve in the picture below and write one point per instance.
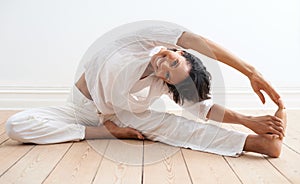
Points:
(200, 109)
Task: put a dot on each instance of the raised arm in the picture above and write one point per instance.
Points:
(204, 46)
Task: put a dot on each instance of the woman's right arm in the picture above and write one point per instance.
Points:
(209, 48)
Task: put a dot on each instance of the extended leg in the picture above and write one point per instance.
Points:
(111, 130)
(181, 132)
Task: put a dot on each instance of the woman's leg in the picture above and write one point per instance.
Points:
(182, 132)
(268, 144)
(44, 126)
(110, 130)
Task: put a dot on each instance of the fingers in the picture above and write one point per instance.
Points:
(273, 95)
(281, 104)
(276, 127)
(276, 120)
(278, 131)
(261, 96)
(266, 86)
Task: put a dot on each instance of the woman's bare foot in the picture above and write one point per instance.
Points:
(122, 133)
(281, 113)
(269, 144)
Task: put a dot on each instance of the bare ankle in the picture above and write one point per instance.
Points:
(268, 144)
(274, 144)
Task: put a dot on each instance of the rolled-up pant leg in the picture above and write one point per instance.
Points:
(54, 124)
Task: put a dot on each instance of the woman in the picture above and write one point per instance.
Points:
(117, 86)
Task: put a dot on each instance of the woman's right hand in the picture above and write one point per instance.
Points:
(265, 125)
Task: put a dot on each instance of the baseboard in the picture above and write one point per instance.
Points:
(235, 98)
(245, 98)
(29, 97)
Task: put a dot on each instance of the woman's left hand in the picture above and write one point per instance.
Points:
(259, 84)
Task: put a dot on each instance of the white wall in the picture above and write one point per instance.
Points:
(42, 41)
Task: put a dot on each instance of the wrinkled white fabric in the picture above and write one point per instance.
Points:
(182, 132)
(54, 124)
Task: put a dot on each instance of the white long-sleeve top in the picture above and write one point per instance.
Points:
(113, 75)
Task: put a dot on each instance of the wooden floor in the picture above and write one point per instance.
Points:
(78, 162)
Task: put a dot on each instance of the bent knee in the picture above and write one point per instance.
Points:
(10, 129)
(15, 127)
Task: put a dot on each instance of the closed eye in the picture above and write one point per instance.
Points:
(174, 64)
(167, 76)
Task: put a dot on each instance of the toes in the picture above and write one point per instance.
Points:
(138, 135)
(132, 133)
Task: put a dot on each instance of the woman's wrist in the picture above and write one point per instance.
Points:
(253, 74)
(247, 120)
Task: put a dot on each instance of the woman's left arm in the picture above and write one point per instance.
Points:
(204, 46)
(258, 124)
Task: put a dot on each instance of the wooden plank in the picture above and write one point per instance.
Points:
(2, 128)
(10, 153)
(5, 114)
(79, 165)
(208, 168)
(164, 164)
(122, 162)
(3, 138)
(288, 164)
(35, 166)
(254, 168)
(292, 138)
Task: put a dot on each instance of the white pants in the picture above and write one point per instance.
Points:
(54, 124)
(67, 123)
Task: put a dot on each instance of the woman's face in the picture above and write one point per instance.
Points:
(170, 66)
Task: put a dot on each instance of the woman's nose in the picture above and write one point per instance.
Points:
(165, 64)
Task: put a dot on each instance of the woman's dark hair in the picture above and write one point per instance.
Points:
(194, 88)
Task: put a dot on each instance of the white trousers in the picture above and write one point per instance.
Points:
(67, 123)
(55, 124)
